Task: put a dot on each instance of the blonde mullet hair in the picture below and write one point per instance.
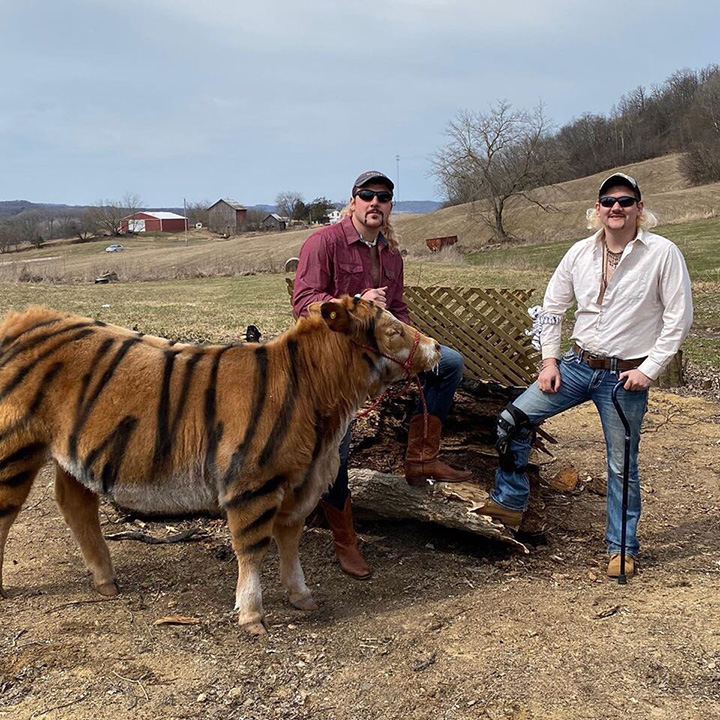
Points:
(646, 220)
(387, 229)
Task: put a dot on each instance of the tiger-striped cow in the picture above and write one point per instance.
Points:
(165, 428)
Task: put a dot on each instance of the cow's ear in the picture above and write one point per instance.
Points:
(336, 316)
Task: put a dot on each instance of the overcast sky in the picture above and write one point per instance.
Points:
(222, 98)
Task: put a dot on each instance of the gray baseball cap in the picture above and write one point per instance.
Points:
(373, 176)
(620, 179)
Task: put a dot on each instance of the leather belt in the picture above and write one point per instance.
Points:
(603, 362)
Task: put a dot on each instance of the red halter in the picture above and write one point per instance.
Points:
(410, 378)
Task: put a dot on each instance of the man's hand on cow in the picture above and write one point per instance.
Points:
(635, 380)
(549, 377)
(376, 295)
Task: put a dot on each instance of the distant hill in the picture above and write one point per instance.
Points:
(8, 208)
(665, 192)
(416, 207)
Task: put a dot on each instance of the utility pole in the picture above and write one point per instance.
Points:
(397, 178)
(186, 221)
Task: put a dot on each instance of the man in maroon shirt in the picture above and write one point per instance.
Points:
(359, 256)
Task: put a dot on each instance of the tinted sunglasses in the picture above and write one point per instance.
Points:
(624, 200)
(383, 196)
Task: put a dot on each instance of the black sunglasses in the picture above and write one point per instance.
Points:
(383, 196)
(625, 201)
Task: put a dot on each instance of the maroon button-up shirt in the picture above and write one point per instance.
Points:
(334, 261)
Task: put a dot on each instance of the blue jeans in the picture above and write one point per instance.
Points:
(439, 390)
(579, 384)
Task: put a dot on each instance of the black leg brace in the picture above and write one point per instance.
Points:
(510, 423)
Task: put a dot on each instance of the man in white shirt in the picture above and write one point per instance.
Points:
(634, 309)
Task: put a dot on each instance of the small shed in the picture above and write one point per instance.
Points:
(438, 243)
(227, 217)
(274, 222)
(153, 222)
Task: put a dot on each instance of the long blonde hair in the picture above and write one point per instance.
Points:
(646, 219)
(387, 229)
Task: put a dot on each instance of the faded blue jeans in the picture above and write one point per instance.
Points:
(578, 385)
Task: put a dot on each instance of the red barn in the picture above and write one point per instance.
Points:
(153, 222)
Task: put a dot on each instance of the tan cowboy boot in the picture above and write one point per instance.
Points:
(613, 568)
(509, 518)
(348, 554)
(421, 460)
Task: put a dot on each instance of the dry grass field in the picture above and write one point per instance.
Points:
(451, 627)
(664, 191)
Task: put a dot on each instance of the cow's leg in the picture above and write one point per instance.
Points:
(287, 538)
(19, 464)
(251, 526)
(79, 507)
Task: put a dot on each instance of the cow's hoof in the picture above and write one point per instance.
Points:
(304, 603)
(3, 594)
(257, 629)
(108, 589)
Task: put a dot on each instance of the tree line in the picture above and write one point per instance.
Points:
(506, 152)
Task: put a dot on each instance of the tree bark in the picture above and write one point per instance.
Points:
(673, 374)
(453, 505)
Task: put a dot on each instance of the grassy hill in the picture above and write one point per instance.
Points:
(664, 190)
(150, 257)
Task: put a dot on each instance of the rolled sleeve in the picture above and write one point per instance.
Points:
(559, 296)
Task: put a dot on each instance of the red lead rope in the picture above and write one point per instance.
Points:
(406, 367)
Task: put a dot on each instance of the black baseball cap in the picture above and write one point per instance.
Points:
(620, 179)
(373, 176)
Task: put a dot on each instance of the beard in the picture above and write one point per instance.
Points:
(367, 219)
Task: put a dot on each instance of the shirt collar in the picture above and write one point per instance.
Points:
(639, 235)
(352, 235)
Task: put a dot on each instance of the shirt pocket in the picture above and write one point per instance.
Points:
(349, 277)
(390, 274)
(632, 285)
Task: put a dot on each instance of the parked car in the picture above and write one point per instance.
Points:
(114, 248)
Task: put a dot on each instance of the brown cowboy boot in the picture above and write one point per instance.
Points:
(421, 460)
(348, 554)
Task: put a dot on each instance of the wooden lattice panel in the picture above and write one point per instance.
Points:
(486, 326)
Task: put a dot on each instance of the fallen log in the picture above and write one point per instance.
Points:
(453, 505)
(377, 462)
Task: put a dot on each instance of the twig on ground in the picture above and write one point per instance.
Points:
(17, 636)
(192, 533)
(77, 602)
(130, 680)
(42, 499)
(78, 699)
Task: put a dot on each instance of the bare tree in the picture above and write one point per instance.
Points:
(254, 219)
(197, 212)
(106, 215)
(701, 163)
(81, 227)
(8, 236)
(28, 227)
(493, 157)
(288, 203)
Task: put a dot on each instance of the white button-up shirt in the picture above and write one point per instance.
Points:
(646, 310)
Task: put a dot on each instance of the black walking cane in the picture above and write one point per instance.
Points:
(622, 580)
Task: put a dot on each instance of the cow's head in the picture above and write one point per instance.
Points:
(393, 347)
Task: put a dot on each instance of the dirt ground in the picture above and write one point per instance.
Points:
(451, 626)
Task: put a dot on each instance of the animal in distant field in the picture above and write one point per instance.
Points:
(167, 428)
